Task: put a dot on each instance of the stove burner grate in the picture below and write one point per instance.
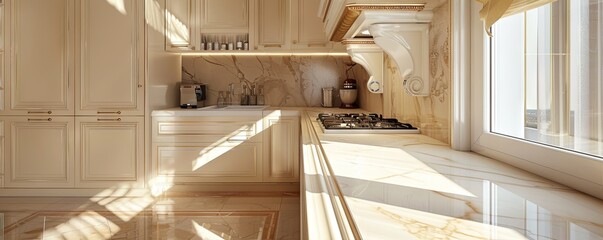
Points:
(361, 122)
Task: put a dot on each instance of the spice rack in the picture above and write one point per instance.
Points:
(224, 42)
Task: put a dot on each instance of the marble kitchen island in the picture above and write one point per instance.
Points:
(410, 186)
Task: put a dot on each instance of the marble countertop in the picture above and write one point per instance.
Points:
(410, 186)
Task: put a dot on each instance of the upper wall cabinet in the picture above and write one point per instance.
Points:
(201, 25)
(226, 15)
(110, 52)
(41, 79)
(266, 26)
(292, 25)
(180, 23)
(2, 55)
(306, 25)
(272, 24)
(69, 57)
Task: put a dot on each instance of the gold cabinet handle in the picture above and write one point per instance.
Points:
(34, 112)
(108, 119)
(317, 45)
(39, 119)
(273, 46)
(109, 112)
(139, 85)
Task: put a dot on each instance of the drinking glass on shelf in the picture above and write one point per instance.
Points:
(228, 98)
(221, 99)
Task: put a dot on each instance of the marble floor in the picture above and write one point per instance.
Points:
(176, 216)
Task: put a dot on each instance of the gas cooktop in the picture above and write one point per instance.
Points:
(362, 123)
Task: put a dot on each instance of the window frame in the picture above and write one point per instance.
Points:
(579, 171)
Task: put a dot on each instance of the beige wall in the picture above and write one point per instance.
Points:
(430, 113)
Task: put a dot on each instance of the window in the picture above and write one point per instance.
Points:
(546, 83)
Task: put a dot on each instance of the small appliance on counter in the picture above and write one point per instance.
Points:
(348, 94)
(192, 95)
(327, 97)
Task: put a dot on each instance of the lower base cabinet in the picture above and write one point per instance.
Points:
(259, 148)
(109, 152)
(210, 162)
(281, 146)
(2, 151)
(72, 152)
(39, 152)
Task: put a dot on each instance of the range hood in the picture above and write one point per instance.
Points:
(399, 30)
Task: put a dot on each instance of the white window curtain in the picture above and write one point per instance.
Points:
(493, 10)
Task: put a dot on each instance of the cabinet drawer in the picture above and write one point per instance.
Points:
(207, 162)
(195, 129)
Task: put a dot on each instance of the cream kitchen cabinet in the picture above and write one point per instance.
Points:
(75, 57)
(181, 25)
(292, 25)
(208, 148)
(110, 57)
(224, 15)
(2, 153)
(273, 19)
(41, 57)
(307, 31)
(269, 25)
(71, 63)
(254, 147)
(39, 152)
(109, 151)
(2, 85)
(210, 162)
(281, 146)
(191, 22)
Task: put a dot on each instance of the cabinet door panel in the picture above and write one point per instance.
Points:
(272, 15)
(40, 152)
(2, 149)
(224, 14)
(307, 29)
(282, 149)
(41, 55)
(204, 162)
(180, 19)
(109, 58)
(2, 85)
(109, 151)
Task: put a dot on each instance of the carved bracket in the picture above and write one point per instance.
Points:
(407, 44)
(370, 56)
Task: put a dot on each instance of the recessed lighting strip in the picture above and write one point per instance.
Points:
(261, 54)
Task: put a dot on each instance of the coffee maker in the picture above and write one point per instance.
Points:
(192, 95)
(348, 94)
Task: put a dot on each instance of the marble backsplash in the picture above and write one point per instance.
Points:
(287, 80)
(430, 113)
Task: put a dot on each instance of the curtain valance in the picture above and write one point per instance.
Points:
(493, 10)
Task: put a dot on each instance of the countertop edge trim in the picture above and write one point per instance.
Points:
(336, 203)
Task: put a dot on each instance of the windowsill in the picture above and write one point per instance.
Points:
(578, 145)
